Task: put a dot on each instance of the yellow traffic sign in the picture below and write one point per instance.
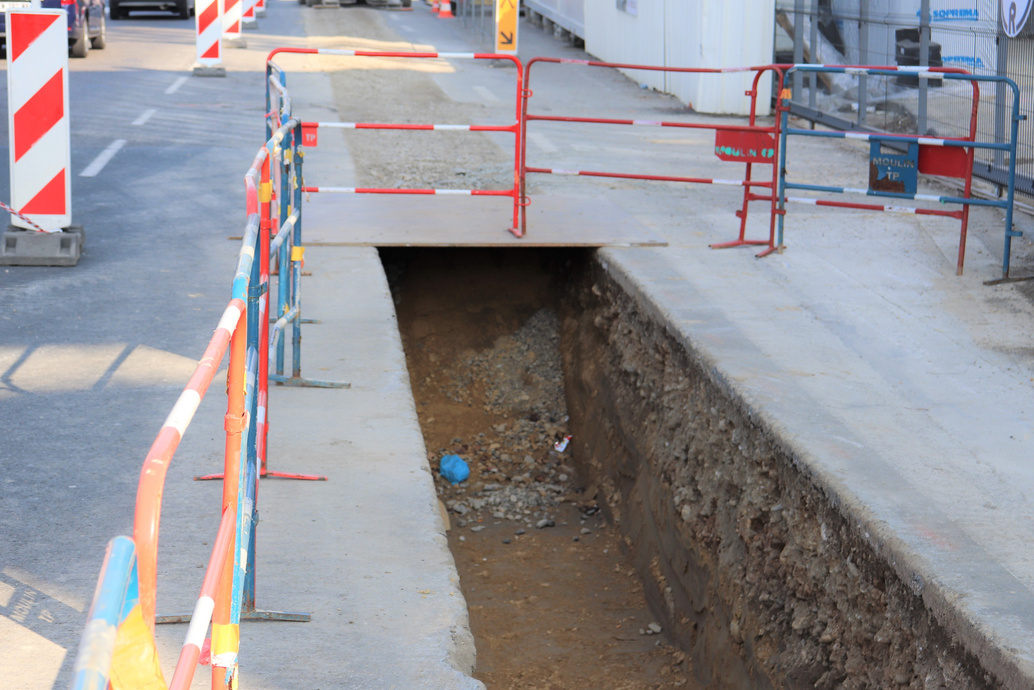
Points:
(506, 12)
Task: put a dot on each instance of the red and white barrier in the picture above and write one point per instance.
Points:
(37, 113)
(248, 14)
(209, 32)
(232, 19)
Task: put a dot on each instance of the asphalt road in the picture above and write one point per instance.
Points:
(93, 357)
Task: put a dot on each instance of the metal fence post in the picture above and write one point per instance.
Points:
(295, 267)
(798, 45)
(924, 61)
(283, 258)
(1001, 106)
(814, 54)
(863, 59)
(225, 635)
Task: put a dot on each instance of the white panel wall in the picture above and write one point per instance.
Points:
(689, 33)
(615, 36)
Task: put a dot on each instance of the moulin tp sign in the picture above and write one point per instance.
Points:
(892, 172)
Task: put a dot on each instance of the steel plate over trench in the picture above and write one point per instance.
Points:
(380, 220)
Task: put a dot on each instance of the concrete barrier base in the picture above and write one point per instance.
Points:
(19, 247)
(209, 71)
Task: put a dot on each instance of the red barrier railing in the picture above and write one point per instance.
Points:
(310, 129)
(243, 323)
(751, 144)
(183, 676)
(156, 464)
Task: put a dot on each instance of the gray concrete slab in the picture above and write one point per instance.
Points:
(468, 221)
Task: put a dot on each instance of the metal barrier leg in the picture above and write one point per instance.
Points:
(225, 636)
(262, 411)
(293, 269)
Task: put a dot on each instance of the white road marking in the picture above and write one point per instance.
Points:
(175, 86)
(102, 159)
(144, 117)
(542, 142)
(486, 94)
(407, 28)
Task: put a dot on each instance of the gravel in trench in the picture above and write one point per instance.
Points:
(553, 601)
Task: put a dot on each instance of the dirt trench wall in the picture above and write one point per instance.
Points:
(751, 569)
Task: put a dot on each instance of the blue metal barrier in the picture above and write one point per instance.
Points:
(893, 176)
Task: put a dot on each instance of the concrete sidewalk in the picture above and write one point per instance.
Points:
(363, 552)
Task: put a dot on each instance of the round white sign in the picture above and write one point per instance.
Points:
(1014, 15)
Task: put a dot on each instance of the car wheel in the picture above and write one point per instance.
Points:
(114, 12)
(182, 9)
(81, 47)
(101, 39)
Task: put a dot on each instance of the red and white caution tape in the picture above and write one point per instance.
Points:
(25, 218)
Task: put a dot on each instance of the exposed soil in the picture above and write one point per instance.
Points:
(553, 600)
(755, 569)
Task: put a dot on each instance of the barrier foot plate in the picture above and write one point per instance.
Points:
(1003, 281)
(256, 615)
(238, 42)
(209, 70)
(266, 474)
(770, 250)
(260, 615)
(288, 475)
(738, 243)
(273, 319)
(306, 383)
(19, 247)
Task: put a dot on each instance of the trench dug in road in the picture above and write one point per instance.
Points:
(554, 601)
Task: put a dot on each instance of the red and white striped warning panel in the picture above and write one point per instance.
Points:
(231, 19)
(209, 32)
(248, 13)
(37, 115)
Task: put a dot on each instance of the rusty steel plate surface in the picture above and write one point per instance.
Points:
(377, 220)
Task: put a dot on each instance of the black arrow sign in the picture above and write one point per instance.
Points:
(507, 38)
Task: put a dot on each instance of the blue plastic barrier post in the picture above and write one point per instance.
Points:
(116, 587)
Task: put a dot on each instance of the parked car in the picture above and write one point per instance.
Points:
(86, 25)
(120, 8)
